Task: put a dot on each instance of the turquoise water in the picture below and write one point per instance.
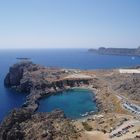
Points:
(73, 102)
(66, 58)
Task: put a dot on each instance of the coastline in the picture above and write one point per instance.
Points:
(117, 51)
(43, 82)
(82, 82)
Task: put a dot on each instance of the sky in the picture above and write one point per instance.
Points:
(69, 23)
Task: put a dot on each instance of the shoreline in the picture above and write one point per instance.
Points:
(94, 99)
(95, 85)
(43, 82)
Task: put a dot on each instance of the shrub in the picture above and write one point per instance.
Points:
(86, 126)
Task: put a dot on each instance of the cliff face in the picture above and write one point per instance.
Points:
(17, 71)
(26, 76)
(117, 51)
(14, 75)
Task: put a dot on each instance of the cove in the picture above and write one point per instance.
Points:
(75, 103)
(64, 58)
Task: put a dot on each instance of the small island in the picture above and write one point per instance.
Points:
(117, 51)
(116, 93)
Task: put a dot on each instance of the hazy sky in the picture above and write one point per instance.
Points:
(69, 23)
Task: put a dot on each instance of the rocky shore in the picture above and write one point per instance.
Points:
(26, 124)
(38, 82)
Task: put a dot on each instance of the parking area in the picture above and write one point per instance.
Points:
(130, 129)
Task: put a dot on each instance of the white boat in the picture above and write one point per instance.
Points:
(83, 115)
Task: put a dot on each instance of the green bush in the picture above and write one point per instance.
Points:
(86, 126)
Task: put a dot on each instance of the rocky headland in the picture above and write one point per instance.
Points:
(117, 51)
(38, 81)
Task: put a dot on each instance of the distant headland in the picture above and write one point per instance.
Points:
(117, 51)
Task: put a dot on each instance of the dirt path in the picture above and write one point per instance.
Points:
(96, 135)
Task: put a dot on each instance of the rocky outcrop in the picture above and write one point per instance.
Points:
(49, 126)
(38, 81)
(17, 71)
(10, 128)
(125, 84)
(21, 124)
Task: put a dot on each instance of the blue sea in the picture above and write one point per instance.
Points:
(66, 58)
(74, 102)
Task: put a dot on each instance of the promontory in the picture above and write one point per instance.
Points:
(117, 51)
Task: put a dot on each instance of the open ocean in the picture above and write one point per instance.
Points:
(66, 58)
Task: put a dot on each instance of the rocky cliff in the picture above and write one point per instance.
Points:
(26, 124)
(38, 81)
(19, 72)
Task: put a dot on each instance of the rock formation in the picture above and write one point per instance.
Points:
(26, 124)
(38, 81)
(21, 124)
(126, 84)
